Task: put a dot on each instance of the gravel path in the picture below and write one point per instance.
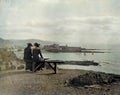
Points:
(46, 83)
(23, 83)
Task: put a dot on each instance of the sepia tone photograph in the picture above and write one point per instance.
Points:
(59, 47)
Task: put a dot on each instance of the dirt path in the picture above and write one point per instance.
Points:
(46, 83)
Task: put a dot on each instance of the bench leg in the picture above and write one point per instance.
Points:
(55, 67)
(39, 65)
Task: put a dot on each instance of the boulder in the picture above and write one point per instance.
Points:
(92, 78)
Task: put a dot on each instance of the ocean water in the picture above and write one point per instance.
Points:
(109, 62)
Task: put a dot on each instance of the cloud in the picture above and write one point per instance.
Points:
(48, 1)
(60, 20)
(76, 29)
(77, 24)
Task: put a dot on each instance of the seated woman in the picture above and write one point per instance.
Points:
(37, 57)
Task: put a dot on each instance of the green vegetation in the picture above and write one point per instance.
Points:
(6, 55)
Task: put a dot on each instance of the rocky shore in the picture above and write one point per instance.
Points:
(46, 83)
(83, 63)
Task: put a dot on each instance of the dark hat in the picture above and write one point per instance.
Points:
(36, 44)
(29, 44)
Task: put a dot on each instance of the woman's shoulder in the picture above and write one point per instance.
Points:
(35, 48)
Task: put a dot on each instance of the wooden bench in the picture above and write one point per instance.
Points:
(49, 62)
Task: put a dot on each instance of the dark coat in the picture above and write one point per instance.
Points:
(28, 58)
(27, 54)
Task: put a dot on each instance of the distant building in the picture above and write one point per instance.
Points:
(58, 48)
(53, 47)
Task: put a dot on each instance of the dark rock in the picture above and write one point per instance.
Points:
(83, 63)
(92, 78)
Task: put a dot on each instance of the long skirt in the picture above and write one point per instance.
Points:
(29, 65)
(39, 65)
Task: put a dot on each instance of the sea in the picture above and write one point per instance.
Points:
(109, 61)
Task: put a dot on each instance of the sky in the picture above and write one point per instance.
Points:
(65, 21)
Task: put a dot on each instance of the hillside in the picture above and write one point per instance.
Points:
(21, 43)
(4, 43)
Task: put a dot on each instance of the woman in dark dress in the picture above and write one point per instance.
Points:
(37, 56)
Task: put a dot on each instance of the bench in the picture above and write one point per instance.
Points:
(49, 62)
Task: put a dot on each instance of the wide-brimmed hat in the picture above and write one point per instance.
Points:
(29, 44)
(36, 44)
